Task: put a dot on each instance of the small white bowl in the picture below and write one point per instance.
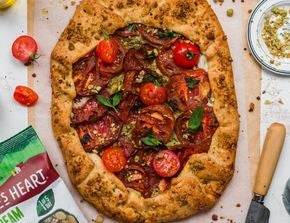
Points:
(256, 43)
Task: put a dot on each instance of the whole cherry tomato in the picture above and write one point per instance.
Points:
(186, 55)
(114, 159)
(166, 163)
(24, 49)
(107, 50)
(152, 94)
(25, 95)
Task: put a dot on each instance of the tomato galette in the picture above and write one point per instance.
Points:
(144, 108)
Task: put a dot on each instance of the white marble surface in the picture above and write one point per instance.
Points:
(13, 117)
(275, 107)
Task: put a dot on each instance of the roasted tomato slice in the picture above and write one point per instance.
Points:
(157, 37)
(184, 153)
(87, 110)
(126, 145)
(188, 89)
(186, 54)
(25, 95)
(140, 175)
(201, 137)
(157, 120)
(152, 94)
(130, 30)
(99, 134)
(138, 59)
(86, 78)
(166, 163)
(114, 159)
(165, 62)
(107, 50)
(129, 101)
(107, 70)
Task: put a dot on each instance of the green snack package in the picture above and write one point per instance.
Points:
(31, 191)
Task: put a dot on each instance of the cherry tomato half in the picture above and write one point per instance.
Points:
(186, 55)
(25, 95)
(166, 163)
(152, 94)
(114, 159)
(107, 50)
(24, 49)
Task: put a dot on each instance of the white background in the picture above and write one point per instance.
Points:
(13, 117)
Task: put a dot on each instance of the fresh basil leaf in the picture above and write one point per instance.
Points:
(191, 82)
(116, 99)
(167, 35)
(195, 119)
(104, 101)
(150, 77)
(132, 28)
(156, 83)
(151, 141)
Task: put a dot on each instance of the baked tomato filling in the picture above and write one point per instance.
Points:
(143, 105)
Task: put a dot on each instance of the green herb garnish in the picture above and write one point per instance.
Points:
(195, 119)
(167, 35)
(132, 28)
(151, 77)
(191, 82)
(150, 140)
(112, 103)
(156, 83)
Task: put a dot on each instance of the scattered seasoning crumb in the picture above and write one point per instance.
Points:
(263, 92)
(44, 11)
(72, 3)
(268, 102)
(221, 206)
(281, 102)
(242, 1)
(99, 219)
(219, 1)
(230, 12)
(214, 217)
(222, 217)
(258, 98)
(82, 201)
(65, 7)
(251, 107)
(250, 11)
(245, 49)
(272, 61)
(238, 205)
(33, 75)
(56, 165)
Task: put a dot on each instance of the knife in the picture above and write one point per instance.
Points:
(272, 147)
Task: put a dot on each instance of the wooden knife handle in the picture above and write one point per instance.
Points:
(271, 151)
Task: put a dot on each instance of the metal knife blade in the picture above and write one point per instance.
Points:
(257, 213)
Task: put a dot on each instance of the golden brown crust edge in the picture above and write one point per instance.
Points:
(205, 176)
